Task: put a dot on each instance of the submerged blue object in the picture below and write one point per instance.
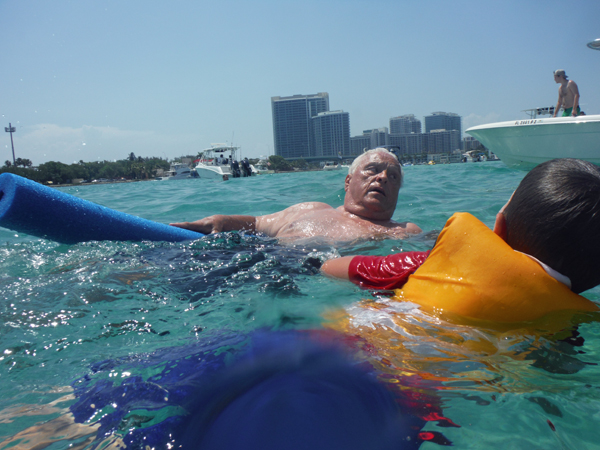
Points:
(263, 391)
(290, 391)
(31, 208)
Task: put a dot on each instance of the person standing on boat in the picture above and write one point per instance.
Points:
(568, 95)
(371, 186)
(247, 171)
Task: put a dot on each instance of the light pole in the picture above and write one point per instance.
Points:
(10, 129)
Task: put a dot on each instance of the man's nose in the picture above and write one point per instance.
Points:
(383, 176)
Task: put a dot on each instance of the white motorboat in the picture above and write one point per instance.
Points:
(467, 157)
(523, 144)
(220, 162)
(262, 167)
(330, 165)
(473, 156)
(178, 171)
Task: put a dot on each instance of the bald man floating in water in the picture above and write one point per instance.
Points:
(371, 186)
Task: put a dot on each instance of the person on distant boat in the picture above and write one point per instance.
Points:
(568, 95)
(371, 186)
(247, 171)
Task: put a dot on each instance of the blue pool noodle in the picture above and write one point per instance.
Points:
(31, 208)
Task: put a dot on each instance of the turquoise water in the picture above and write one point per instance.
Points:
(65, 307)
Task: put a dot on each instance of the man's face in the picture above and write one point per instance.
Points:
(372, 190)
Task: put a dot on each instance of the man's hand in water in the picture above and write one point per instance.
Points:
(219, 222)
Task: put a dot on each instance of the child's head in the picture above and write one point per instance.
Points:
(554, 216)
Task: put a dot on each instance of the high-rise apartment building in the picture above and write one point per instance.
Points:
(292, 123)
(409, 143)
(443, 121)
(379, 137)
(358, 144)
(405, 124)
(331, 130)
(443, 141)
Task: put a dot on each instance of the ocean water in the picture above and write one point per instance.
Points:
(65, 308)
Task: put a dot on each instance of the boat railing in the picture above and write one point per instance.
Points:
(533, 113)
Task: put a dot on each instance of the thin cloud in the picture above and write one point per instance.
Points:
(50, 142)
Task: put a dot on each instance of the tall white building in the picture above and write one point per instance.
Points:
(444, 121)
(443, 141)
(292, 123)
(405, 124)
(331, 134)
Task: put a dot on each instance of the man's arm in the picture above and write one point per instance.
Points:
(338, 267)
(572, 86)
(376, 272)
(558, 104)
(269, 224)
(217, 223)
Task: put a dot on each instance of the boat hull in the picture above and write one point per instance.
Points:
(523, 144)
(213, 172)
(174, 177)
(178, 171)
(263, 171)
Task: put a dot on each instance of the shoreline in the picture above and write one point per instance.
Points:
(257, 175)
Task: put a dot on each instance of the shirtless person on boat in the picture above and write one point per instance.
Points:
(371, 186)
(568, 95)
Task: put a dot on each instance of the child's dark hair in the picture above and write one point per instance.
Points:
(554, 216)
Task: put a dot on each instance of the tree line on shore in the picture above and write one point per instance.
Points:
(130, 168)
(280, 164)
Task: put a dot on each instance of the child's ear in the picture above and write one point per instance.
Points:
(500, 226)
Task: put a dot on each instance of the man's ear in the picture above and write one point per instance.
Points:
(347, 182)
(500, 226)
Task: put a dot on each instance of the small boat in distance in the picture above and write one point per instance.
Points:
(221, 162)
(178, 171)
(523, 144)
(262, 167)
(330, 165)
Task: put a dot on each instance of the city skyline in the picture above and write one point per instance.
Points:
(305, 128)
(96, 81)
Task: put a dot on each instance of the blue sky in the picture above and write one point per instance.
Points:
(95, 80)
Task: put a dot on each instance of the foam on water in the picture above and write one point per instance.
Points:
(66, 307)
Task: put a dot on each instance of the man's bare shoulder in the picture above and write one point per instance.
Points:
(572, 86)
(308, 206)
(299, 208)
(272, 224)
(411, 228)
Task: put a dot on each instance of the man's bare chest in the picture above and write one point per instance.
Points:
(332, 223)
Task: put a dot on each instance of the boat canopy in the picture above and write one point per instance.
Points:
(221, 148)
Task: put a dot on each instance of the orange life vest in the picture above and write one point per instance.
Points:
(473, 273)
